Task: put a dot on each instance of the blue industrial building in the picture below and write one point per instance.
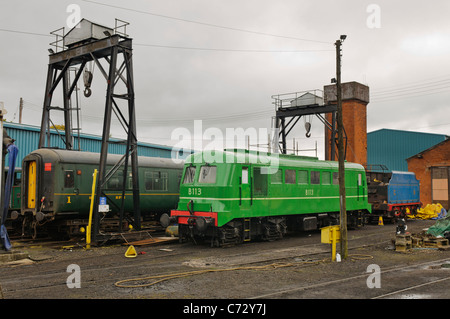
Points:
(391, 148)
(27, 137)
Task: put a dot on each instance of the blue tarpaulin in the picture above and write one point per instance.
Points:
(12, 150)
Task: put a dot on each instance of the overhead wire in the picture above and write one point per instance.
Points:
(411, 91)
(205, 23)
(445, 82)
(189, 48)
(229, 50)
(402, 92)
(407, 95)
(171, 120)
(26, 32)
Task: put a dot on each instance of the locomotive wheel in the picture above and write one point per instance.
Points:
(229, 234)
(27, 226)
(33, 229)
(273, 228)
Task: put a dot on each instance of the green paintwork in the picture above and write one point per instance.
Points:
(231, 198)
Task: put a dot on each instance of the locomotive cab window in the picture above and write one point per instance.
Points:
(69, 180)
(189, 174)
(207, 174)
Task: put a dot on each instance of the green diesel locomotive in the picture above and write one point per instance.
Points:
(57, 185)
(235, 196)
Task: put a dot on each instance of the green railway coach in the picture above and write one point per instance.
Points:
(57, 185)
(236, 195)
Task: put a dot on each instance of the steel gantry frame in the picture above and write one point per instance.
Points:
(109, 49)
(288, 114)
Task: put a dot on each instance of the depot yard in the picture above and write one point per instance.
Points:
(298, 266)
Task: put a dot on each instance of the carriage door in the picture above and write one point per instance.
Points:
(31, 184)
(245, 197)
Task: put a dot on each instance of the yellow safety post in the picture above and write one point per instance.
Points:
(88, 230)
(331, 235)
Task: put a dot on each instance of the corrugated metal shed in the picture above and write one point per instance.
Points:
(392, 147)
(27, 138)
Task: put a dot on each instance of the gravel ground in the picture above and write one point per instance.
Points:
(296, 267)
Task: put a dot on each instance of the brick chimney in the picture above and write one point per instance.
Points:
(355, 97)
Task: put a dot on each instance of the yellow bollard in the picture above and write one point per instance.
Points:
(331, 235)
(88, 228)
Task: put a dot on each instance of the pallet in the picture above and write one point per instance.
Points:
(417, 241)
(436, 242)
(403, 242)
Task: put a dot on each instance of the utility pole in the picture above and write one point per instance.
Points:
(20, 110)
(340, 125)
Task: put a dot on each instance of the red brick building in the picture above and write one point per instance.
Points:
(355, 97)
(432, 168)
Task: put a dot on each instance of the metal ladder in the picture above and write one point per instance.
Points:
(247, 229)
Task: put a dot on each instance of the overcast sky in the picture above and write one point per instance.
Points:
(221, 61)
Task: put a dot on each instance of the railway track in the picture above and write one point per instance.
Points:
(293, 292)
(102, 267)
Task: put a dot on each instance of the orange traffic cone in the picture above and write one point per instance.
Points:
(380, 221)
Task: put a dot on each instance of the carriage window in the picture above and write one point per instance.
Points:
(207, 174)
(335, 178)
(315, 177)
(155, 181)
(69, 179)
(303, 177)
(277, 178)
(326, 178)
(115, 181)
(189, 175)
(289, 176)
(179, 179)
